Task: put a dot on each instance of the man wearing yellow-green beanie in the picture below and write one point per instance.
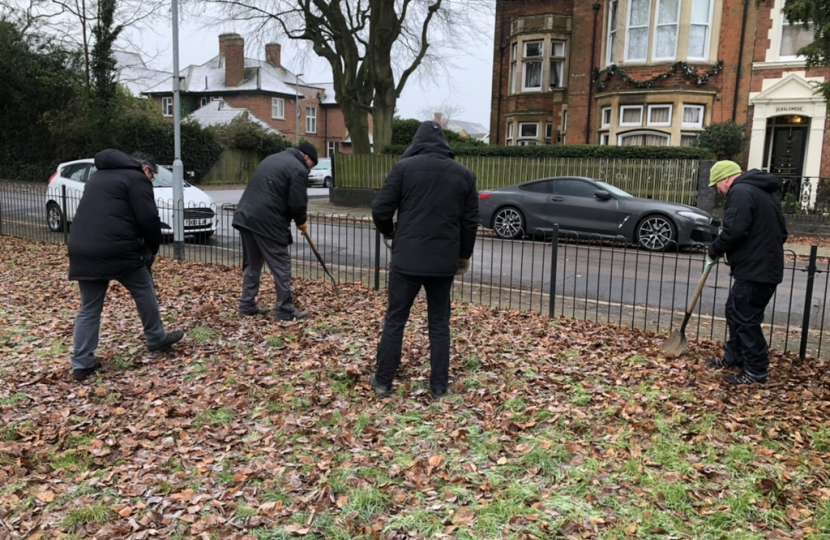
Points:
(752, 238)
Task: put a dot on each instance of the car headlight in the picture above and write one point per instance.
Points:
(694, 216)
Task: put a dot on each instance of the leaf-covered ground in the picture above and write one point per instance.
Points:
(258, 429)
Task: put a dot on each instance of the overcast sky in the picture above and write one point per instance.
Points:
(468, 90)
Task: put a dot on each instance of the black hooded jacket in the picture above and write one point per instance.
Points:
(116, 228)
(437, 205)
(276, 193)
(754, 230)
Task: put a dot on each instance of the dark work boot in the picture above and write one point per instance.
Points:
(380, 390)
(169, 340)
(438, 393)
(296, 316)
(745, 378)
(722, 363)
(253, 312)
(82, 374)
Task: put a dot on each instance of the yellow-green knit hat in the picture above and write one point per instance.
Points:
(723, 170)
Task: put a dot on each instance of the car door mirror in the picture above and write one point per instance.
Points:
(602, 195)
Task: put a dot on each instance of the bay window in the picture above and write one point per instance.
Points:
(532, 66)
(636, 37)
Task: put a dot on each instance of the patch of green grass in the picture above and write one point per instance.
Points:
(515, 405)
(274, 341)
(419, 521)
(580, 396)
(472, 363)
(79, 460)
(243, 511)
(74, 441)
(821, 439)
(96, 513)
(201, 334)
(119, 362)
(360, 424)
(366, 502)
(55, 349)
(276, 495)
(739, 455)
(472, 383)
(13, 399)
(213, 417)
(542, 458)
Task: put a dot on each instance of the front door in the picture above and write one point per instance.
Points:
(786, 145)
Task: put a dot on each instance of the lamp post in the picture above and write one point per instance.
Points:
(178, 167)
(297, 104)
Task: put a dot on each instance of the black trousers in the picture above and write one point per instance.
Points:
(744, 314)
(403, 289)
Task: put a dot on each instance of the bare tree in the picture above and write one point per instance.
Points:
(71, 22)
(372, 46)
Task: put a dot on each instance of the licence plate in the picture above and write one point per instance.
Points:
(195, 222)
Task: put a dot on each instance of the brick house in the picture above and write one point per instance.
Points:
(662, 69)
(266, 90)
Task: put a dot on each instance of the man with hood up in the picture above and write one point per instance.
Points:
(116, 235)
(752, 238)
(437, 205)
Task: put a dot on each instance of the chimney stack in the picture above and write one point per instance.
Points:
(437, 119)
(232, 53)
(273, 52)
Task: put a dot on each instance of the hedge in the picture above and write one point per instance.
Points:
(574, 151)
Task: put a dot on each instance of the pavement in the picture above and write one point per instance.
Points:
(319, 203)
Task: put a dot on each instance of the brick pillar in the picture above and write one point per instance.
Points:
(580, 73)
(232, 52)
(705, 194)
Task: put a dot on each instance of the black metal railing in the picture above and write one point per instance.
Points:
(580, 277)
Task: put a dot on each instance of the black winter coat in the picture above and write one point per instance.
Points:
(437, 205)
(754, 230)
(116, 228)
(276, 193)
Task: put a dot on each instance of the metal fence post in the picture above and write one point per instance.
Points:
(554, 255)
(65, 215)
(377, 259)
(808, 301)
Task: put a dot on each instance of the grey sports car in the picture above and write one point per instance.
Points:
(593, 208)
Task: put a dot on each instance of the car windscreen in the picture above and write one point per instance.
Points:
(164, 179)
(613, 190)
(322, 166)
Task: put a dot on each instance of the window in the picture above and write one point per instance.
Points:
(510, 134)
(574, 188)
(332, 148)
(204, 101)
(76, 172)
(659, 115)
(532, 66)
(528, 134)
(643, 138)
(605, 117)
(688, 139)
(167, 106)
(668, 18)
(311, 120)
(557, 64)
(611, 42)
(277, 107)
(699, 29)
(692, 116)
(514, 81)
(794, 36)
(548, 132)
(631, 115)
(636, 40)
(545, 186)
(603, 138)
(564, 130)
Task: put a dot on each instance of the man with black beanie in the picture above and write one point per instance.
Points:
(276, 194)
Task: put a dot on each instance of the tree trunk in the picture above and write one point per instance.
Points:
(357, 122)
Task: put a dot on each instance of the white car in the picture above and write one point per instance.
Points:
(199, 210)
(321, 174)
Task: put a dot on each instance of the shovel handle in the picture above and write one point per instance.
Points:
(693, 302)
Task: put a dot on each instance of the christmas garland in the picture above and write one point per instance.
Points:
(688, 71)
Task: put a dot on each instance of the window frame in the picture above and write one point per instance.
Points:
(559, 60)
(602, 121)
(657, 25)
(527, 60)
(311, 119)
(651, 107)
(611, 34)
(707, 42)
(701, 108)
(167, 106)
(628, 28)
(695, 134)
(514, 67)
(604, 138)
(510, 131)
(521, 136)
(787, 57)
(280, 106)
(664, 135)
(623, 108)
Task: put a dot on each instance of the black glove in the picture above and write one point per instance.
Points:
(463, 266)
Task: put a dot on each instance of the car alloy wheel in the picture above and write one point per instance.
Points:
(656, 233)
(54, 217)
(508, 223)
(327, 182)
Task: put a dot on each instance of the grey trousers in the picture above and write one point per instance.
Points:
(257, 250)
(88, 321)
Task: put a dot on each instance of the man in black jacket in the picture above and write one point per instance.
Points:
(437, 205)
(115, 235)
(752, 239)
(276, 194)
